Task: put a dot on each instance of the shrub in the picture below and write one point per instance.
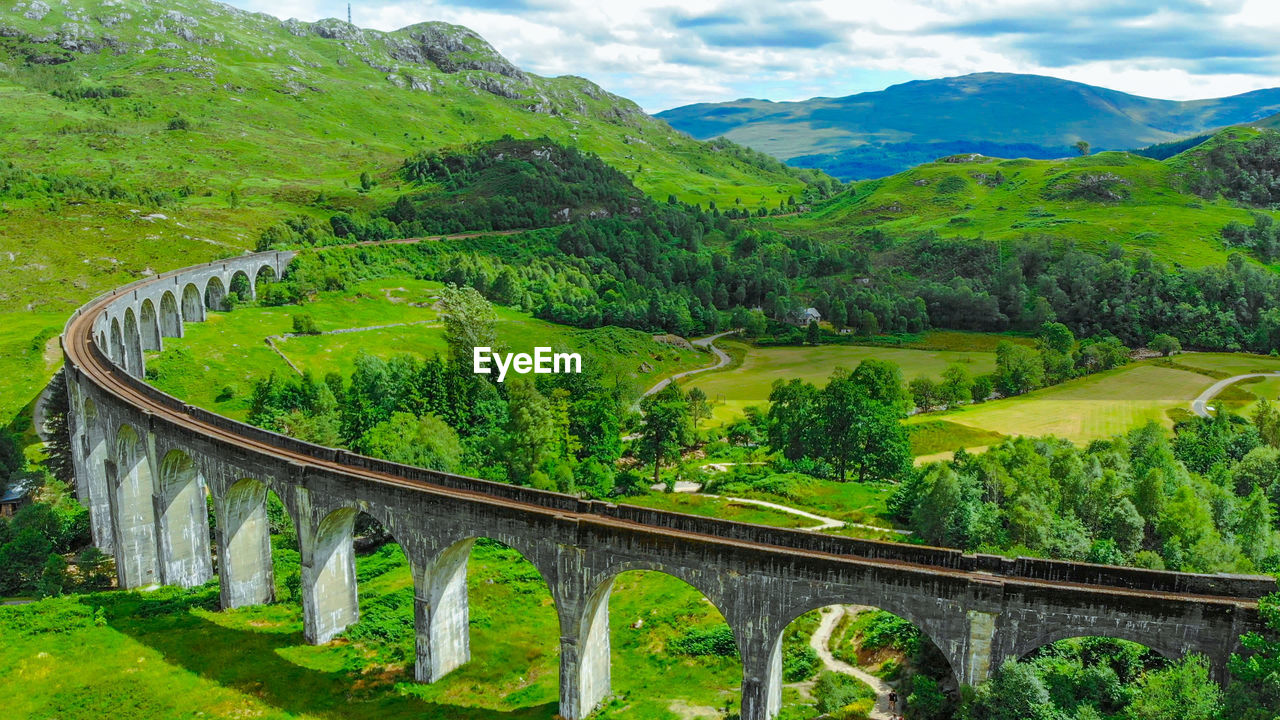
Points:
(304, 324)
(716, 641)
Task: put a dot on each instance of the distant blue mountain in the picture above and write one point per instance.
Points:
(874, 134)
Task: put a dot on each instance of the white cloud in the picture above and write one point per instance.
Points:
(663, 53)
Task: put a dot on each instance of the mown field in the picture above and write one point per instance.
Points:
(217, 362)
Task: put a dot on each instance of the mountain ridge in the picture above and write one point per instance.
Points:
(876, 133)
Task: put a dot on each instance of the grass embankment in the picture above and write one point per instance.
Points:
(229, 351)
(170, 654)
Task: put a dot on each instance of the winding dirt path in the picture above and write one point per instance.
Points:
(1200, 405)
(722, 359)
(821, 643)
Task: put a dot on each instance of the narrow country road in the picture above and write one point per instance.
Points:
(1200, 406)
(821, 643)
(708, 342)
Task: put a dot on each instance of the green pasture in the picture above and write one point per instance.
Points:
(749, 382)
(1087, 408)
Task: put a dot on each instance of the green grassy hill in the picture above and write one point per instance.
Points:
(1092, 201)
(874, 134)
(140, 137)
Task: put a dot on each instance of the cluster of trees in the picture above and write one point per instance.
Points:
(561, 432)
(850, 425)
(18, 184)
(35, 540)
(972, 284)
(1201, 501)
(1095, 678)
(1263, 237)
(1056, 357)
(1248, 172)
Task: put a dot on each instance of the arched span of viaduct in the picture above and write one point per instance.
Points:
(145, 462)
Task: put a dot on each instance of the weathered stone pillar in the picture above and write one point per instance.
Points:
(585, 670)
(761, 648)
(89, 455)
(987, 640)
(442, 615)
(244, 545)
(182, 528)
(132, 513)
(330, 599)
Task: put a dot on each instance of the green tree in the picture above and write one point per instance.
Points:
(1181, 691)
(1255, 531)
(426, 442)
(468, 324)
(22, 561)
(57, 450)
(983, 385)
(883, 382)
(813, 334)
(861, 433)
(1165, 344)
(1019, 368)
(53, 577)
(793, 417)
(838, 314)
(1254, 691)
(530, 433)
(924, 392)
(304, 324)
(664, 429)
(1015, 692)
(1266, 418)
(956, 386)
(1082, 147)
(699, 406)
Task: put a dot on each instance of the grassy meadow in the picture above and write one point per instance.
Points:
(169, 654)
(217, 362)
(748, 382)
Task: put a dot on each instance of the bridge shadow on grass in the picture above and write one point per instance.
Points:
(250, 662)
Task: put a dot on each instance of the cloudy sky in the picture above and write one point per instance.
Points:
(663, 53)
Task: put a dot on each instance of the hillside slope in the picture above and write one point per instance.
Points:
(1094, 202)
(139, 136)
(874, 134)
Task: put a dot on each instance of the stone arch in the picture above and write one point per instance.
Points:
(132, 344)
(214, 294)
(116, 351)
(149, 325)
(1163, 644)
(128, 473)
(264, 274)
(192, 304)
(443, 607)
(241, 285)
(592, 680)
(244, 545)
(183, 522)
(925, 622)
(170, 317)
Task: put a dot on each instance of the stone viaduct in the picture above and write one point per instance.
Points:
(145, 462)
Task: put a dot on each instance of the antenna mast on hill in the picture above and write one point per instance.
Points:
(348, 13)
